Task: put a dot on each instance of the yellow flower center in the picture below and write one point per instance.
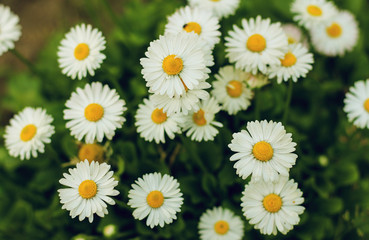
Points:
(158, 116)
(314, 10)
(199, 118)
(94, 112)
(91, 152)
(192, 26)
(172, 65)
(28, 132)
(215, 0)
(289, 60)
(272, 203)
(234, 88)
(155, 199)
(262, 151)
(221, 227)
(366, 105)
(291, 40)
(81, 51)
(334, 30)
(256, 43)
(87, 189)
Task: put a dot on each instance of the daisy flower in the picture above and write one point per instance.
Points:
(200, 21)
(294, 34)
(174, 63)
(89, 187)
(152, 122)
(156, 197)
(258, 80)
(297, 62)
(311, 13)
(357, 104)
(336, 36)
(220, 9)
(264, 150)
(231, 91)
(220, 224)
(91, 152)
(80, 51)
(200, 124)
(184, 103)
(94, 112)
(28, 132)
(258, 44)
(10, 31)
(272, 207)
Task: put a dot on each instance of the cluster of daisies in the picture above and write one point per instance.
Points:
(333, 32)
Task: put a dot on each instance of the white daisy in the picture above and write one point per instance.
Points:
(264, 150)
(152, 123)
(297, 62)
(157, 198)
(220, 224)
(357, 104)
(310, 13)
(200, 124)
(94, 112)
(257, 80)
(10, 30)
(230, 89)
(273, 207)
(336, 36)
(174, 63)
(200, 21)
(258, 44)
(89, 188)
(220, 9)
(80, 51)
(28, 132)
(184, 103)
(294, 34)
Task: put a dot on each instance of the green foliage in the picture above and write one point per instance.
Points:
(332, 167)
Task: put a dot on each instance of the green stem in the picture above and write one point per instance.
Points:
(288, 101)
(111, 13)
(24, 60)
(257, 104)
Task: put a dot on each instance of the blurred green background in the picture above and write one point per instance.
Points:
(332, 168)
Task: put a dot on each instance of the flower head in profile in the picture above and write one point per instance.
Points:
(28, 132)
(156, 197)
(94, 112)
(81, 51)
(220, 224)
(10, 30)
(272, 206)
(90, 186)
(357, 104)
(256, 45)
(264, 150)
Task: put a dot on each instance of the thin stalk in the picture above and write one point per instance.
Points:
(111, 13)
(288, 102)
(24, 60)
(257, 104)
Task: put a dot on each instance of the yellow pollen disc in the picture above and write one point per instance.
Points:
(87, 189)
(366, 105)
(215, 0)
(172, 65)
(314, 10)
(334, 30)
(234, 88)
(272, 203)
(158, 116)
(291, 40)
(199, 117)
(94, 112)
(192, 26)
(288, 60)
(262, 151)
(91, 152)
(28, 132)
(256, 43)
(155, 199)
(81, 51)
(221, 227)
